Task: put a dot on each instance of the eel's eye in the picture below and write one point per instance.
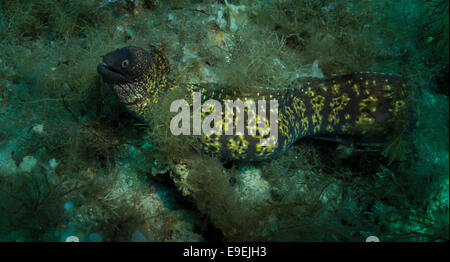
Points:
(125, 63)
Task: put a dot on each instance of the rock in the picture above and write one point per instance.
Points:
(28, 163)
(38, 129)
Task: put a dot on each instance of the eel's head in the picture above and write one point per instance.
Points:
(136, 75)
(125, 65)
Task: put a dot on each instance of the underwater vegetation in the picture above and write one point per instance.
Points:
(75, 162)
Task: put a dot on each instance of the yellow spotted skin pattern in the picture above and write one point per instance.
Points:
(360, 104)
(364, 107)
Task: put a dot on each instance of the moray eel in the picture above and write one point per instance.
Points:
(363, 107)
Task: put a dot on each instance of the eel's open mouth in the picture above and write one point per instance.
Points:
(109, 74)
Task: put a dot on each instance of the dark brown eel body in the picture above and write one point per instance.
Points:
(363, 107)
